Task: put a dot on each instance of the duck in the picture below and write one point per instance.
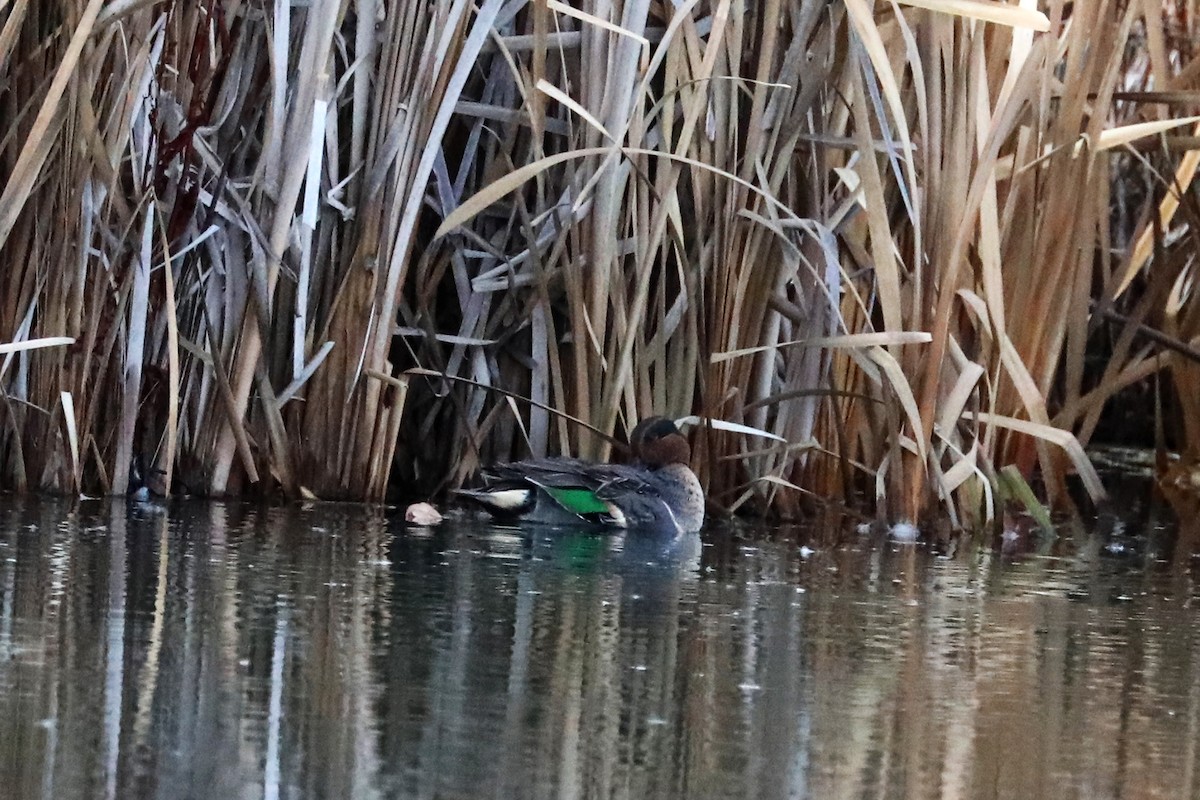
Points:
(658, 490)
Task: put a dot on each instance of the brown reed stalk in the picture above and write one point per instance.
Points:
(870, 229)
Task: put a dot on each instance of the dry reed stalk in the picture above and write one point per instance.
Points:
(869, 229)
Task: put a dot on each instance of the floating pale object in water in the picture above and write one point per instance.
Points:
(422, 514)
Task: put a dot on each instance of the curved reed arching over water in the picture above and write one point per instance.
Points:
(872, 230)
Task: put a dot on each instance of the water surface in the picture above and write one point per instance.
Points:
(228, 651)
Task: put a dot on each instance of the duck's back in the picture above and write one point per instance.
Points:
(557, 471)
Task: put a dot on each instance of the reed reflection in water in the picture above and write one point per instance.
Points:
(232, 651)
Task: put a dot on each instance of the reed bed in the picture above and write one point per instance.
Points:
(359, 243)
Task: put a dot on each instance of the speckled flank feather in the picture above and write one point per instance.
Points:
(684, 494)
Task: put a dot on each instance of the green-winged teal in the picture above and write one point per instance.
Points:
(658, 491)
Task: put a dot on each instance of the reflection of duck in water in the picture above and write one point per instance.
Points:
(658, 491)
(639, 552)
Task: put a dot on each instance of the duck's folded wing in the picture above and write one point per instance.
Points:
(575, 487)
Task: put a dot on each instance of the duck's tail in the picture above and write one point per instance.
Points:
(501, 502)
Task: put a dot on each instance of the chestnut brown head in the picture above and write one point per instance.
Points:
(656, 442)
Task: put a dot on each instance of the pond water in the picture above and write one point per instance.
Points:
(229, 651)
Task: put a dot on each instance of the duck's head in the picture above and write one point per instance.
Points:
(657, 442)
